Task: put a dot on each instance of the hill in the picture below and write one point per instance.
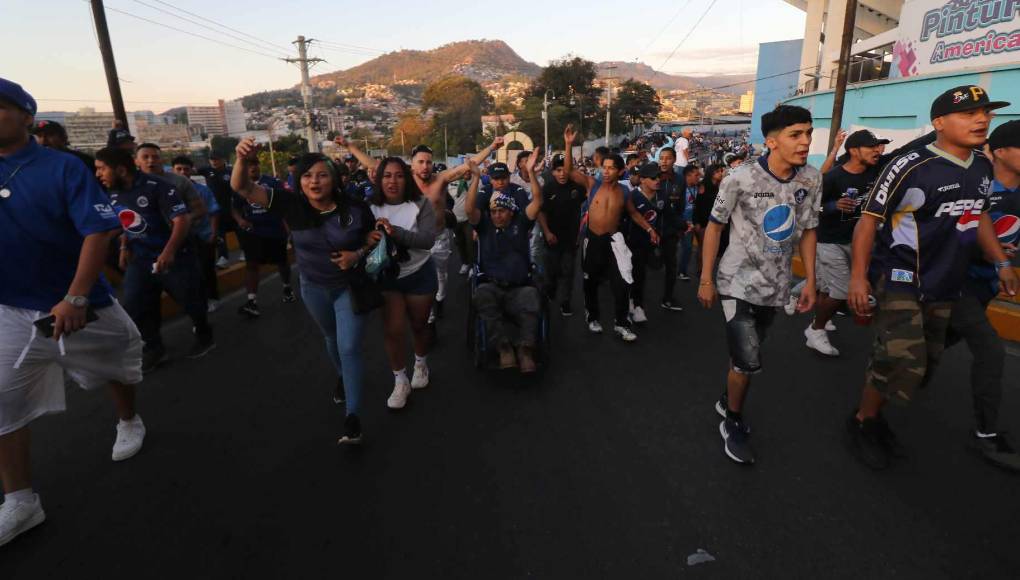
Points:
(667, 82)
(481, 60)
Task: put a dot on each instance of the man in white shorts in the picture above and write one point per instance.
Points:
(57, 315)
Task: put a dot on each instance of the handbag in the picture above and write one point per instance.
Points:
(378, 258)
(366, 294)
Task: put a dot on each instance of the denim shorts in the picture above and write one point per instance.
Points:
(423, 281)
(746, 327)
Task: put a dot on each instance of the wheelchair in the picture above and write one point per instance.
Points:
(477, 340)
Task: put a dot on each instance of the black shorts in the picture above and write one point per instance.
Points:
(260, 250)
(746, 327)
(423, 282)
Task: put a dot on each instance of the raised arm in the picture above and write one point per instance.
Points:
(239, 180)
(363, 158)
(533, 209)
(586, 181)
(474, 214)
(484, 153)
(830, 159)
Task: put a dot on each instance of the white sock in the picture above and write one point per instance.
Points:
(985, 435)
(420, 360)
(22, 495)
(131, 421)
(400, 375)
(251, 297)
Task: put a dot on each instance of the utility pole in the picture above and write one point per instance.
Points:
(106, 49)
(403, 147)
(306, 89)
(272, 152)
(849, 22)
(446, 146)
(545, 117)
(609, 98)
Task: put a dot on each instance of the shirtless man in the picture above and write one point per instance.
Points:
(434, 186)
(604, 252)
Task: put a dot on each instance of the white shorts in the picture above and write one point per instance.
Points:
(832, 263)
(33, 367)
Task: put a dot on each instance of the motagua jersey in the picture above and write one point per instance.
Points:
(930, 203)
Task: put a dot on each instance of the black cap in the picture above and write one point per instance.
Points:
(118, 137)
(558, 160)
(650, 171)
(350, 157)
(499, 171)
(49, 128)
(864, 138)
(1005, 135)
(963, 98)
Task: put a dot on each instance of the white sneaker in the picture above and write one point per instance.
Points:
(401, 390)
(213, 305)
(463, 269)
(638, 314)
(17, 517)
(222, 262)
(420, 379)
(791, 306)
(595, 326)
(625, 333)
(819, 340)
(130, 435)
(830, 327)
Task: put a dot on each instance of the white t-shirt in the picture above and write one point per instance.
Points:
(682, 146)
(404, 215)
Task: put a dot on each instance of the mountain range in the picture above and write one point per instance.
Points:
(494, 60)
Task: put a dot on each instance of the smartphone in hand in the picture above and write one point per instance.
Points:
(45, 325)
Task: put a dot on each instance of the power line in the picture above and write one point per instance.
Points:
(135, 102)
(206, 18)
(689, 33)
(174, 28)
(206, 26)
(649, 45)
(351, 46)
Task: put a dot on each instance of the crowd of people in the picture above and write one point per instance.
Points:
(906, 240)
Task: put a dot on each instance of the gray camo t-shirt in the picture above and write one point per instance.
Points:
(767, 217)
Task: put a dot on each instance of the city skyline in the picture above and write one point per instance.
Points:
(65, 71)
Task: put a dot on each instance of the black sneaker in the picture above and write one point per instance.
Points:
(736, 445)
(997, 450)
(683, 277)
(201, 347)
(339, 396)
(439, 308)
(288, 295)
(352, 431)
(671, 305)
(250, 309)
(722, 404)
(566, 310)
(152, 358)
(868, 442)
(889, 438)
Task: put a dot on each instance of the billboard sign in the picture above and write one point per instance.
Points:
(943, 36)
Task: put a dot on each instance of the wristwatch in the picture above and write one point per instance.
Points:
(77, 301)
(999, 266)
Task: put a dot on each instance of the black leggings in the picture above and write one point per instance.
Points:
(598, 262)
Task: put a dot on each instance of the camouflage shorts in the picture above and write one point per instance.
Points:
(910, 337)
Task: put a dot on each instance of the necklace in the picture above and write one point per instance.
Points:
(4, 192)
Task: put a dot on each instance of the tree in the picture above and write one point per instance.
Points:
(458, 103)
(415, 129)
(571, 83)
(636, 102)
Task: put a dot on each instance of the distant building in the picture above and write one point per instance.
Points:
(226, 118)
(88, 129)
(490, 123)
(746, 102)
(175, 136)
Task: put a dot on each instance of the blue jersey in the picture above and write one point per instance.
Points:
(49, 203)
(263, 223)
(146, 211)
(649, 209)
(1004, 209)
(202, 227)
(931, 203)
(504, 254)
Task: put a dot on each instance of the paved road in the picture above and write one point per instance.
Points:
(609, 465)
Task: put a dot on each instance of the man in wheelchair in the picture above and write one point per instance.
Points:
(505, 296)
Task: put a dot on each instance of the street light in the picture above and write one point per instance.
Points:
(545, 116)
(580, 114)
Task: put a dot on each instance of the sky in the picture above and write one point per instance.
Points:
(159, 68)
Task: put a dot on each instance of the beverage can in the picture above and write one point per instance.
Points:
(866, 318)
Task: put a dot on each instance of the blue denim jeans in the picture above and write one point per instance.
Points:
(343, 330)
(685, 251)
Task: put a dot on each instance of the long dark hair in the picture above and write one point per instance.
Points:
(305, 163)
(707, 180)
(411, 190)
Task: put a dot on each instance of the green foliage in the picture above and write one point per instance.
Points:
(268, 99)
(415, 128)
(458, 103)
(636, 102)
(576, 97)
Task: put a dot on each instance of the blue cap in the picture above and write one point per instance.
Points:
(11, 91)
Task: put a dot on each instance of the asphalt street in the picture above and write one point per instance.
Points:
(608, 464)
